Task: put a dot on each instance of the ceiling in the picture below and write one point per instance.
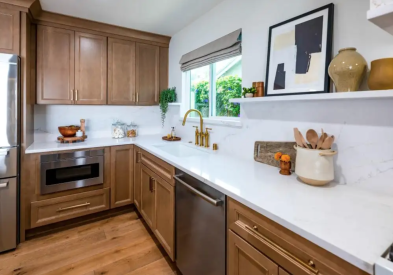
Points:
(165, 17)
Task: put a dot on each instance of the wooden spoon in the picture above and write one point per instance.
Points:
(320, 141)
(312, 138)
(327, 144)
(297, 137)
(303, 140)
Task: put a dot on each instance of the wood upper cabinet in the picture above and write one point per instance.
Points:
(122, 175)
(164, 70)
(121, 72)
(9, 31)
(137, 177)
(147, 196)
(164, 223)
(55, 65)
(147, 74)
(90, 69)
(244, 259)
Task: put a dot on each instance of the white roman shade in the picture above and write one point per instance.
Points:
(225, 47)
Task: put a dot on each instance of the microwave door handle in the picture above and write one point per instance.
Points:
(215, 202)
(4, 185)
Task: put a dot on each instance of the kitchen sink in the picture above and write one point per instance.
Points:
(181, 150)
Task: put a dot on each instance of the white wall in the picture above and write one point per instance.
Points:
(364, 130)
(47, 119)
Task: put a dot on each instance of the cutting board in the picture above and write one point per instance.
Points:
(264, 152)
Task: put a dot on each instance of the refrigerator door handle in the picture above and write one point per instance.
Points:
(4, 152)
(4, 185)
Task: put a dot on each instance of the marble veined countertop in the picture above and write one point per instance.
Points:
(352, 223)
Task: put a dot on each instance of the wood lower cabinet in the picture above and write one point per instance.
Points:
(137, 177)
(282, 272)
(244, 259)
(164, 222)
(147, 74)
(121, 72)
(147, 196)
(9, 31)
(68, 207)
(55, 65)
(90, 69)
(122, 175)
(157, 207)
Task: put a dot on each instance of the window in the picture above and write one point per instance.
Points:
(212, 86)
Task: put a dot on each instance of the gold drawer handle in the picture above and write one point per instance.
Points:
(72, 207)
(310, 265)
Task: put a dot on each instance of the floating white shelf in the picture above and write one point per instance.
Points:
(382, 17)
(327, 96)
(174, 104)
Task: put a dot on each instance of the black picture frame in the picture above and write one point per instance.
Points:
(329, 48)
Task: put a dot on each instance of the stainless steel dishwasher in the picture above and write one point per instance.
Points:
(200, 227)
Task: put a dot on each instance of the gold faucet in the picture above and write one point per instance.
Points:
(201, 134)
(207, 137)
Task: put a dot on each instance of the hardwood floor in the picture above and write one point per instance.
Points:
(117, 245)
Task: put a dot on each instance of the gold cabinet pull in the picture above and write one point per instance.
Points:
(255, 228)
(137, 97)
(310, 265)
(153, 184)
(72, 95)
(72, 207)
(76, 95)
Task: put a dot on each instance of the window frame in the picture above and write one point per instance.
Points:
(213, 119)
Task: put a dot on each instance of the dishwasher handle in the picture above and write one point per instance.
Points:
(215, 202)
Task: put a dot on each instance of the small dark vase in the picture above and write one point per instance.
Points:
(285, 168)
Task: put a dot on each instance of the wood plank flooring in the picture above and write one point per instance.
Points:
(117, 245)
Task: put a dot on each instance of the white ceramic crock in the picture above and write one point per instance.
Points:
(315, 167)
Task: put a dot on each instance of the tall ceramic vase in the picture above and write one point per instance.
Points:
(347, 70)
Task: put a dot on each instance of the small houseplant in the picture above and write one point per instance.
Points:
(166, 96)
(285, 163)
(249, 92)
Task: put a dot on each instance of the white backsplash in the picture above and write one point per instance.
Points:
(363, 131)
(47, 119)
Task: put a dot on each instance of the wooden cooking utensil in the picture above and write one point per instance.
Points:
(303, 140)
(297, 137)
(320, 141)
(327, 144)
(312, 138)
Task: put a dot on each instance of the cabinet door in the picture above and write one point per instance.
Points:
(282, 272)
(90, 69)
(164, 225)
(122, 175)
(147, 74)
(244, 259)
(137, 177)
(121, 72)
(55, 65)
(9, 31)
(147, 196)
(164, 70)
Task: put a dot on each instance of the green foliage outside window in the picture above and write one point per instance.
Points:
(227, 87)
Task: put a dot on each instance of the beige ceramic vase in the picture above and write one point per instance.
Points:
(347, 70)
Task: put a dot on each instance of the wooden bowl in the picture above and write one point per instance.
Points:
(68, 131)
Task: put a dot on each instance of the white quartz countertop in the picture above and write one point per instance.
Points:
(353, 223)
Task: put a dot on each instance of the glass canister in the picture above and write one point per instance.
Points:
(118, 130)
(132, 130)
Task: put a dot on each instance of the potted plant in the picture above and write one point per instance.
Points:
(166, 96)
(249, 92)
(285, 163)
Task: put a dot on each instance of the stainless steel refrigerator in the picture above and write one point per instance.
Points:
(9, 150)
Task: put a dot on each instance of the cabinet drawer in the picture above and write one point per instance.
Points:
(290, 251)
(158, 166)
(68, 207)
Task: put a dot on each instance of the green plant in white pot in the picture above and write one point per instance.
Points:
(249, 92)
(166, 96)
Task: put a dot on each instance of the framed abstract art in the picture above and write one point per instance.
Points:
(299, 54)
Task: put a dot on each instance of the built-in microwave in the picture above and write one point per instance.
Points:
(66, 171)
